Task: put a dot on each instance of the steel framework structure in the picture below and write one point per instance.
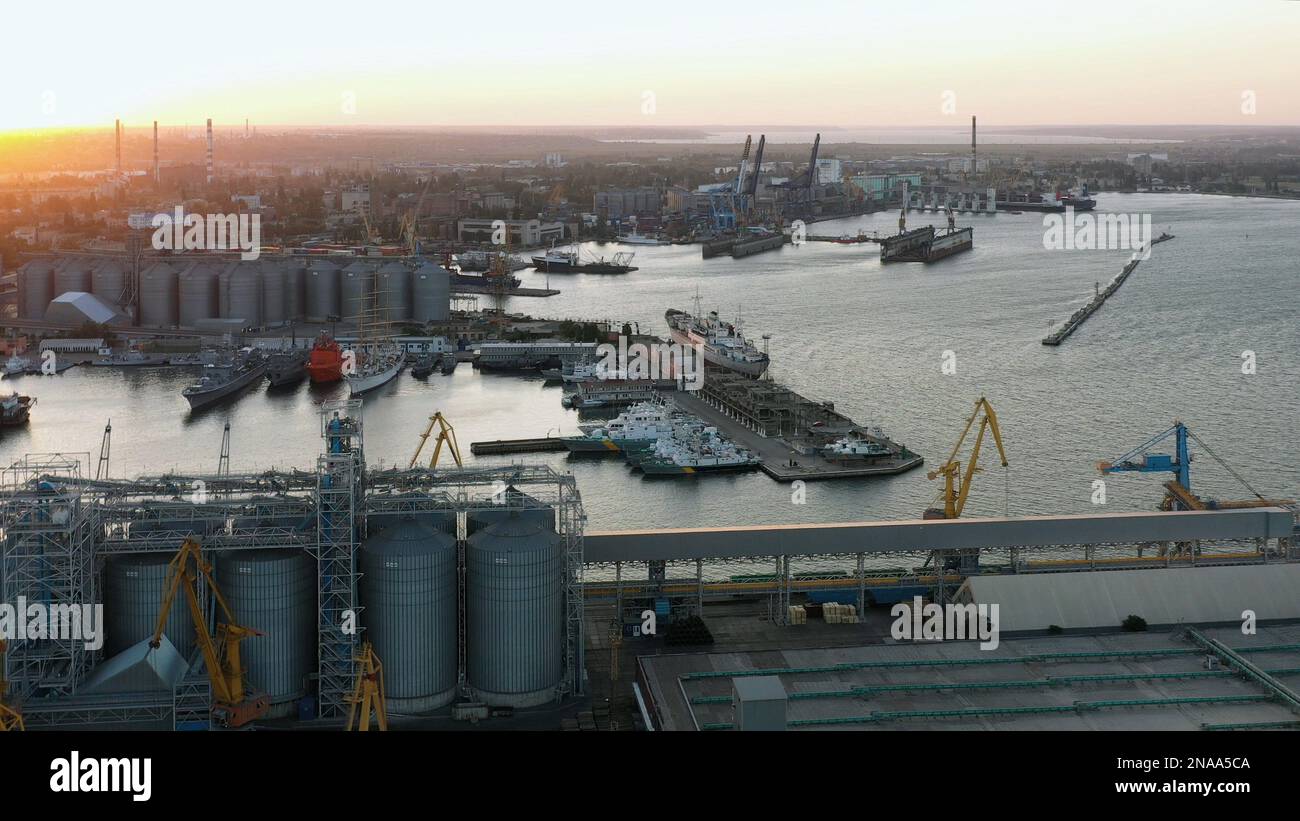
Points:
(47, 559)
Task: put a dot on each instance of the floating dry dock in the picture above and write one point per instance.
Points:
(500, 446)
(788, 431)
(926, 244)
(1080, 316)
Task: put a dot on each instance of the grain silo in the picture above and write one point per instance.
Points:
(273, 590)
(158, 296)
(133, 593)
(198, 294)
(108, 282)
(514, 612)
(240, 288)
(393, 291)
(431, 293)
(354, 285)
(272, 292)
(35, 281)
(72, 275)
(294, 287)
(408, 595)
(512, 502)
(322, 290)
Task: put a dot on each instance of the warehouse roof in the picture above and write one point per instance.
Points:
(79, 306)
(1197, 595)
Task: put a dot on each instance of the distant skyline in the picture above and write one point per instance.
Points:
(673, 64)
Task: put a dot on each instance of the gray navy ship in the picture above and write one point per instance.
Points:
(221, 381)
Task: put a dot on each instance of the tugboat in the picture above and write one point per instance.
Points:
(326, 362)
(15, 409)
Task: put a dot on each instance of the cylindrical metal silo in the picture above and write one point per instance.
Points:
(294, 282)
(354, 286)
(272, 292)
(108, 282)
(241, 293)
(444, 521)
(513, 502)
(408, 591)
(431, 293)
(514, 612)
(35, 279)
(198, 294)
(274, 591)
(393, 291)
(158, 296)
(133, 594)
(72, 275)
(322, 290)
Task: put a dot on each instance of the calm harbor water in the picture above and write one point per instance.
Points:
(869, 338)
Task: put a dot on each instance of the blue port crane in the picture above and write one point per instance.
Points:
(1178, 495)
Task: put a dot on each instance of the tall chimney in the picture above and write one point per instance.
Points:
(211, 176)
(117, 145)
(157, 175)
(974, 166)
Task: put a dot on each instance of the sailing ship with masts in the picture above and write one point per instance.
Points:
(378, 357)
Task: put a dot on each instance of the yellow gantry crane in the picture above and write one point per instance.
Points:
(446, 433)
(956, 485)
(368, 694)
(232, 701)
(10, 718)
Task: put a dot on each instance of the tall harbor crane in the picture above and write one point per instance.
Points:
(233, 703)
(956, 485)
(368, 697)
(446, 434)
(1178, 490)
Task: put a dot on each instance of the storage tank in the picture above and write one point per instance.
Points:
(240, 288)
(294, 282)
(514, 502)
(272, 292)
(354, 285)
(430, 293)
(274, 591)
(443, 521)
(408, 592)
(158, 296)
(133, 593)
(72, 275)
(393, 291)
(108, 282)
(514, 612)
(36, 281)
(322, 290)
(198, 294)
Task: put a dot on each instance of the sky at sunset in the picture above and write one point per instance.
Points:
(667, 63)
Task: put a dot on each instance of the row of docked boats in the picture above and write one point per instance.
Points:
(661, 440)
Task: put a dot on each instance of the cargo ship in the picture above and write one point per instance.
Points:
(325, 363)
(723, 343)
(570, 262)
(221, 381)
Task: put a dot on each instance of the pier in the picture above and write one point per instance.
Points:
(786, 431)
(503, 446)
(1080, 316)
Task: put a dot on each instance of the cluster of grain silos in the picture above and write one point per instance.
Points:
(184, 290)
(514, 607)
(41, 280)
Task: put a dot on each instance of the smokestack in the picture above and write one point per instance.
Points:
(211, 176)
(117, 145)
(157, 175)
(974, 167)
